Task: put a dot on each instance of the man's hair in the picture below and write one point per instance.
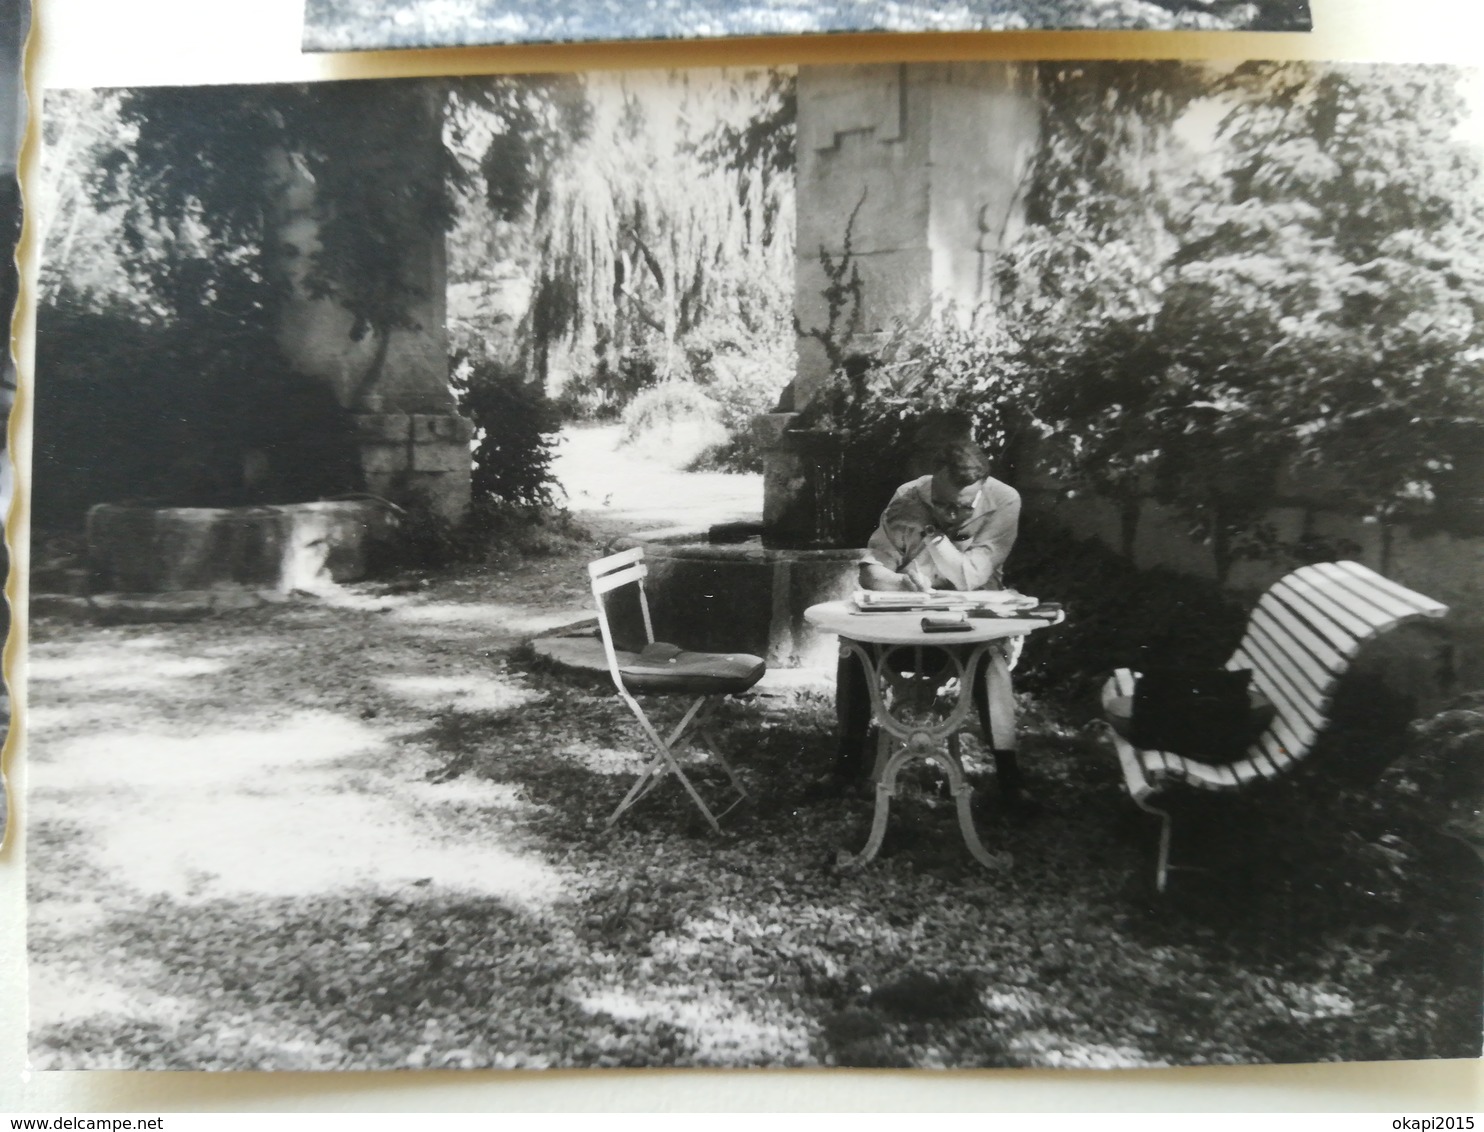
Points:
(963, 460)
(941, 442)
(938, 427)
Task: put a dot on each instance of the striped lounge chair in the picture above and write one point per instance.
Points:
(1300, 639)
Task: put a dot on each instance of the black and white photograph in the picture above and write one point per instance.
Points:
(15, 18)
(907, 566)
(362, 25)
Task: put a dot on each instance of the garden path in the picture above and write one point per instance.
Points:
(619, 489)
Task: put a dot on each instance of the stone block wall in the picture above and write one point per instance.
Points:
(413, 445)
(931, 159)
(417, 456)
(1446, 567)
(300, 546)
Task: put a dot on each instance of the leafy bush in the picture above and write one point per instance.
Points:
(606, 391)
(1306, 296)
(185, 414)
(733, 381)
(1440, 780)
(493, 532)
(515, 426)
(1117, 615)
(876, 403)
(674, 421)
(1382, 850)
(744, 386)
(875, 400)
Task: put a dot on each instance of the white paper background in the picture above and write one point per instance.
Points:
(132, 42)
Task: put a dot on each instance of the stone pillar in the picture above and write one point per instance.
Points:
(932, 158)
(413, 444)
(410, 455)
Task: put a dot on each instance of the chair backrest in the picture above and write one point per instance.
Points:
(608, 574)
(1300, 640)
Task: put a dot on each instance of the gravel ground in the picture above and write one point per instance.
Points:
(364, 831)
(614, 489)
(337, 25)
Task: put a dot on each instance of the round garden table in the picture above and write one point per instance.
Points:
(905, 681)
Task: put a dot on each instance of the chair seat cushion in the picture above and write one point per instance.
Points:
(663, 669)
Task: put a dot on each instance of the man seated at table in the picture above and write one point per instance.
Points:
(949, 530)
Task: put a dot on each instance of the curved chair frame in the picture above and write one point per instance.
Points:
(608, 574)
(1300, 640)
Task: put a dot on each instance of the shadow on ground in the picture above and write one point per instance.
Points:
(311, 837)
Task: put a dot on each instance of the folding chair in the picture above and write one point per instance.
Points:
(661, 669)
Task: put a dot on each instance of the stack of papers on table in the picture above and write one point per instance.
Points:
(991, 603)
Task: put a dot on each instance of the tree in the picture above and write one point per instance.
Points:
(1303, 291)
(510, 134)
(187, 188)
(1337, 272)
(667, 231)
(1080, 292)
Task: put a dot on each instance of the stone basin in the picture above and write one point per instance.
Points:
(152, 550)
(737, 596)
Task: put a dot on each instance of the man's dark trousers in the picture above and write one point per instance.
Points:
(855, 756)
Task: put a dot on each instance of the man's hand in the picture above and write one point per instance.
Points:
(877, 577)
(916, 580)
(946, 558)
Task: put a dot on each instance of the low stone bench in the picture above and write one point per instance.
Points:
(144, 550)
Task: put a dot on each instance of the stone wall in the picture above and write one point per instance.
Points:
(931, 160)
(413, 444)
(1446, 567)
(300, 546)
(404, 454)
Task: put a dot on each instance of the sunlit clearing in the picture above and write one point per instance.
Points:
(60, 999)
(151, 761)
(467, 693)
(605, 760)
(241, 1039)
(60, 911)
(1054, 1051)
(111, 672)
(507, 620)
(720, 1029)
(67, 995)
(270, 812)
(621, 483)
